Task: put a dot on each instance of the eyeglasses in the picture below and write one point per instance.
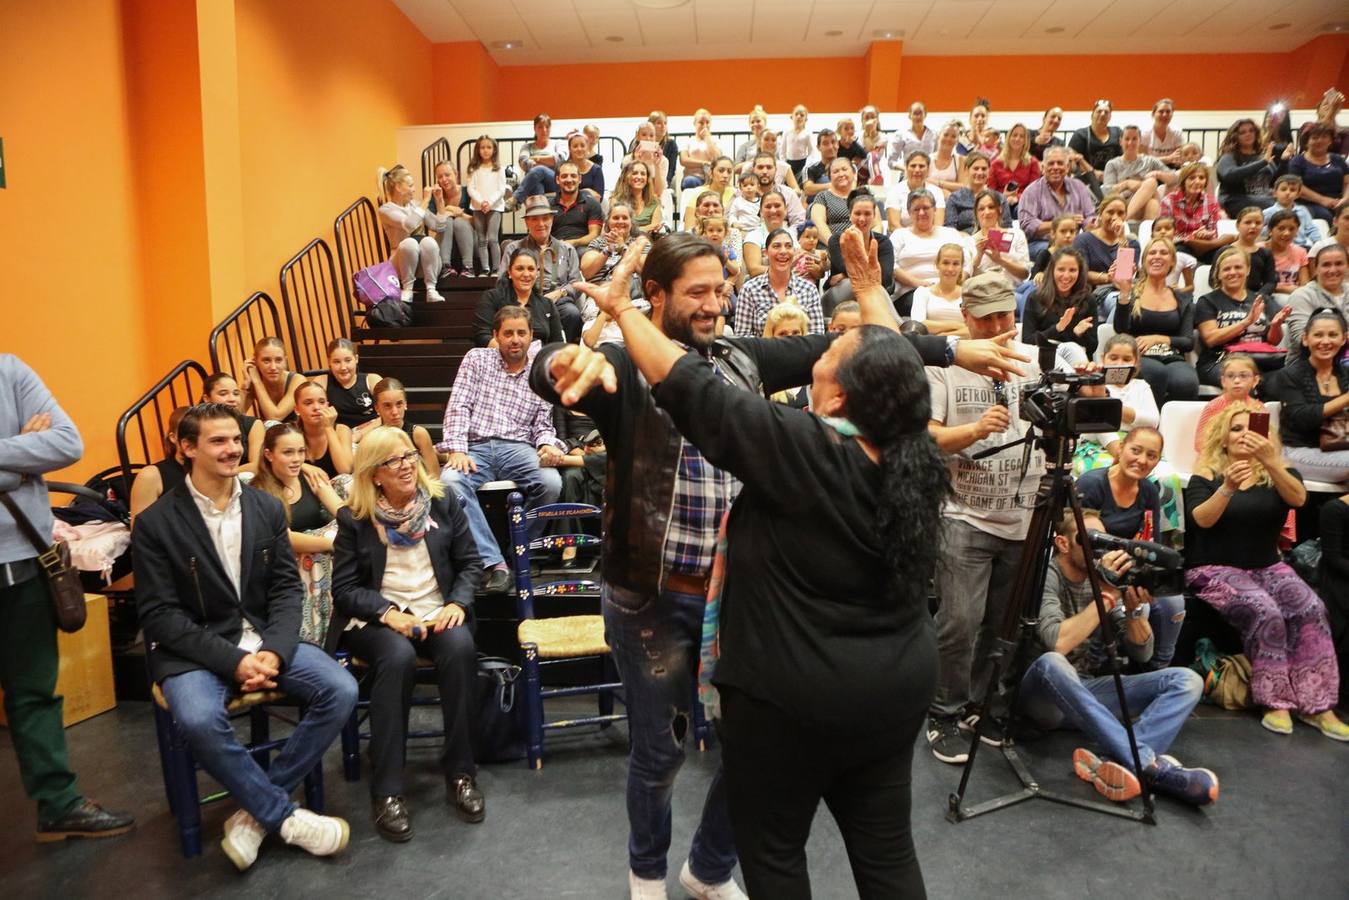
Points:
(397, 462)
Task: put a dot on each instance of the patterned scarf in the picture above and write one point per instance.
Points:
(405, 527)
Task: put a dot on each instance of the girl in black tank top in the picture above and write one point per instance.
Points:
(307, 513)
(171, 474)
(355, 407)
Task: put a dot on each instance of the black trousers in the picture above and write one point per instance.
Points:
(393, 674)
(776, 773)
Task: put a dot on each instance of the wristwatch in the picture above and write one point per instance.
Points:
(1138, 612)
(951, 341)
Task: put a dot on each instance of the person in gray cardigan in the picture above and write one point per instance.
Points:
(37, 437)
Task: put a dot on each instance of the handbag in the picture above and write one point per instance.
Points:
(499, 727)
(1267, 356)
(375, 284)
(67, 591)
(1335, 433)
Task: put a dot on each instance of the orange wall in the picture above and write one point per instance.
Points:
(677, 87)
(63, 117)
(323, 89)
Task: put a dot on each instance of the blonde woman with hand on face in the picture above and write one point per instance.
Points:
(406, 224)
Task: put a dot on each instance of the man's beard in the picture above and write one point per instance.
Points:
(683, 332)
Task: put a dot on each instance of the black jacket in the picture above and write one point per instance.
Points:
(643, 445)
(359, 557)
(1039, 324)
(187, 605)
(1302, 405)
(542, 315)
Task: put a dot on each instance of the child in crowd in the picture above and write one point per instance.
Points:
(743, 215)
(486, 193)
(1062, 232)
(1183, 274)
(796, 145)
(714, 229)
(937, 306)
(808, 239)
(847, 316)
(1263, 279)
(1190, 153)
(1286, 190)
(788, 319)
(1240, 378)
(1290, 260)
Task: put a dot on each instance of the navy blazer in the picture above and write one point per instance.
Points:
(359, 557)
(188, 606)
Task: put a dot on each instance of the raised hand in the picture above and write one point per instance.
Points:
(994, 357)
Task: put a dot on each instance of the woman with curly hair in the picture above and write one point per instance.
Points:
(1237, 501)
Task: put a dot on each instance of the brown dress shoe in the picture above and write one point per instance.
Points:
(467, 799)
(392, 819)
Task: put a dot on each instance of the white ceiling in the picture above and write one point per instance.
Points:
(574, 31)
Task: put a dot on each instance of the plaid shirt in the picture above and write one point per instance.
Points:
(1190, 217)
(757, 297)
(488, 402)
(702, 494)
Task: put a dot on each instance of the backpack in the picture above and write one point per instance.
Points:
(393, 313)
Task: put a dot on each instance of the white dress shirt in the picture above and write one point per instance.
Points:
(226, 528)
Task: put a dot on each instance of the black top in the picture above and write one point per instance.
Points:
(885, 252)
(246, 424)
(1222, 309)
(1302, 408)
(1099, 254)
(574, 221)
(543, 316)
(835, 211)
(1334, 568)
(325, 462)
(1097, 152)
(354, 405)
(1127, 522)
(854, 151)
(359, 557)
(1178, 324)
(811, 619)
(1263, 277)
(186, 602)
(1247, 534)
(1038, 150)
(1039, 324)
(172, 473)
(307, 513)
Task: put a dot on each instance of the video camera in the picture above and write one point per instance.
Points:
(1157, 568)
(1058, 411)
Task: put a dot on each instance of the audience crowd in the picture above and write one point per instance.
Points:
(1121, 246)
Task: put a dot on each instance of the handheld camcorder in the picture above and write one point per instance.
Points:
(1053, 404)
(1156, 568)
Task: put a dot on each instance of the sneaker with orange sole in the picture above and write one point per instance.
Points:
(1111, 780)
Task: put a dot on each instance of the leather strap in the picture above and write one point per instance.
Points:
(687, 584)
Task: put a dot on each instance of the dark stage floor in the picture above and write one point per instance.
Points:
(1280, 829)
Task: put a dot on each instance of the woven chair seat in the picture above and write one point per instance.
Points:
(235, 705)
(565, 636)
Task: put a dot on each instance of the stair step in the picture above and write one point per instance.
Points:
(457, 308)
(432, 373)
(407, 349)
(438, 331)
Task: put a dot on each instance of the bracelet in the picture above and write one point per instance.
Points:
(614, 315)
(1227, 491)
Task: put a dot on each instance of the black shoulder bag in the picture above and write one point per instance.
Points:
(64, 579)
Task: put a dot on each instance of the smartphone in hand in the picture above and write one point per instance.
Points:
(999, 240)
(1124, 264)
(1259, 423)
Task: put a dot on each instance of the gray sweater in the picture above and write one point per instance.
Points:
(25, 458)
(1064, 599)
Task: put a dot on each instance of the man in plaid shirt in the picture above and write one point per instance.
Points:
(497, 429)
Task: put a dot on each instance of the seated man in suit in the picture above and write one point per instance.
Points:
(218, 596)
(497, 429)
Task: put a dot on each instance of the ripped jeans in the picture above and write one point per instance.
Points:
(655, 642)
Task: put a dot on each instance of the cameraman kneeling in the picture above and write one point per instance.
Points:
(1070, 686)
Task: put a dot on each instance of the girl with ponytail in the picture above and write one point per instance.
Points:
(825, 642)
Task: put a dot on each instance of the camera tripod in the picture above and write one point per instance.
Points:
(1018, 637)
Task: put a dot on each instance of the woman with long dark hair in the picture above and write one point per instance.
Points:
(523, 287)
(826, 644)
(1063, 308)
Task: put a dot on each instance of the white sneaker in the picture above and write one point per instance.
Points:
(646, 888)
(243, 837)
(320, 835)
(406, 295)
(433, 296)
(727, 890)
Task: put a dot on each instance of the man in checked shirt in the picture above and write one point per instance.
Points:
(663, 503)
(497, 429)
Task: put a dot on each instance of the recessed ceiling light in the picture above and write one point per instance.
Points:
(615, 39)
(833, 33)
(659, 4)
(512, 44)
(1280, 26)
(887, 34)
(1054, 29)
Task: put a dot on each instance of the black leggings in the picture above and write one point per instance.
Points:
(776, 772)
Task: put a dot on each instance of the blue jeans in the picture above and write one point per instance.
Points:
(1166, 617)
(1054, 695)
(656, 642)
(538, 180)
(499, 460)
(691, 181)
(1022, 292)
(197, 700)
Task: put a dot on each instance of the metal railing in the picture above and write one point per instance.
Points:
(232, 341)
(142, 428)
(434, 155)
(361, 243)
(313, 300)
